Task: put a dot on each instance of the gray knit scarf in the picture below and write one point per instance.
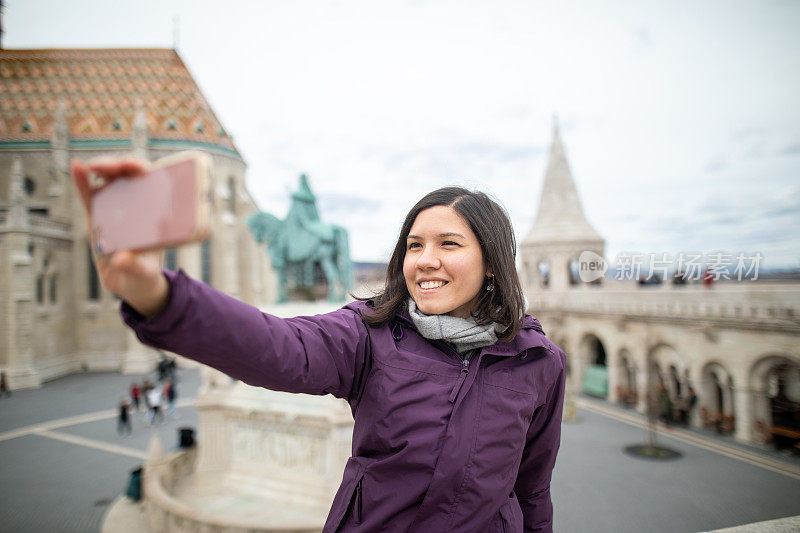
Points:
(463, 333)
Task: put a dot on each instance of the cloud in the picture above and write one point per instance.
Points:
(747, 133)
(718, 164)
(790, 149)
(643, 37)
(445, 159)
(342, 203)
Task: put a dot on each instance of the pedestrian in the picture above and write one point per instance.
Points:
(146, 388)
(4, 385)
(162, 367)
(170, 394)
(171, 367)
(136, 394)
(154, 399)
(457, 395)
(691, 404)
(708, 278)
(123, 420)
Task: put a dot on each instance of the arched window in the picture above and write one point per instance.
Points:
(53, 282)
(29, 185)
(574, 274)
(205, 262)
(94, 279)
(232, 195)
(544, 272)
(40, 289)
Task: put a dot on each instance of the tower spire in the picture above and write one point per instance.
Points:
(560, 217)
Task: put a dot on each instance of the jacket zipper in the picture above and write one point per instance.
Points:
(460, 382)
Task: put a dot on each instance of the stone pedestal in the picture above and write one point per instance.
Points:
(265, 461)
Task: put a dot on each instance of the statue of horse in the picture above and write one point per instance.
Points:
(302, 241)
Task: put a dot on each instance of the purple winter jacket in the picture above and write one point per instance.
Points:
(439, 444)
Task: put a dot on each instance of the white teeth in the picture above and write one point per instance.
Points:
(431, 284)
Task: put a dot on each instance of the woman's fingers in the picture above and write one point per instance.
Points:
(106, 168)
(80, 176)
(112, 168)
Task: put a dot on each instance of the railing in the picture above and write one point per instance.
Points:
(777, 303)
(47, 223)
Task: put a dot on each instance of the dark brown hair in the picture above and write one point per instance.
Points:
(490, 224)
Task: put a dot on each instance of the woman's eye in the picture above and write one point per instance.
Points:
(450, 243)
(414, 245)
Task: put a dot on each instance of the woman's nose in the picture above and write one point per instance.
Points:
(428, 259)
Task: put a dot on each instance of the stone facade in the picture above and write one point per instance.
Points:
(64, 104)
(736, 344)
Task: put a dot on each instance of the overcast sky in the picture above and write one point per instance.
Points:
(681, 119)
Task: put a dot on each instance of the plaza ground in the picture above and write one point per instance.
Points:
(62, 464)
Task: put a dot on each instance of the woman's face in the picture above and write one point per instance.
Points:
(443, 266)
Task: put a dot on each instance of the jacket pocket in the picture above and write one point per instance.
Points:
(348, 497)
(511, 515)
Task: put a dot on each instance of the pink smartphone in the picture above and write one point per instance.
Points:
(165, 208)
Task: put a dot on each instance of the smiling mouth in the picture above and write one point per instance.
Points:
(432, 284)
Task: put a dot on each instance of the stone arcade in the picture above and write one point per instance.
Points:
(737, 344)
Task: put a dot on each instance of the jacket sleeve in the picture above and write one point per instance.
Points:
(313, 355)
(539, 457)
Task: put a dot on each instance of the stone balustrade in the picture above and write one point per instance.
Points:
(49, 225)
(776, 304)
(166, 512)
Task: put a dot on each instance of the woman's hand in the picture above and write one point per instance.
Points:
(134, 276)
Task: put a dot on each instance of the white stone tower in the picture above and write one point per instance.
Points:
(560, 232)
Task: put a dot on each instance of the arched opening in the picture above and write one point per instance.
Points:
(595, 376)
(716, 399)
(573, 267)
(665, 390)
(29, 185)
(776, 387)
(675, 382)
(544, 273)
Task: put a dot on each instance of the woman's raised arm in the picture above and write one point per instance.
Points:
(322, 354)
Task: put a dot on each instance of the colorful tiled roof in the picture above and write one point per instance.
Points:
(101, 90)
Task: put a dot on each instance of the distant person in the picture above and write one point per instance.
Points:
(124, 420)
(456, 393)
(708, 278)
(162, 367)
(679, 278)
(687, 403)
(171, 367)
(170, 393)
(136, 394)
(4, 385)
(154, 399)
(664, 405)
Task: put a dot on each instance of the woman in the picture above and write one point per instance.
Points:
(456, 394)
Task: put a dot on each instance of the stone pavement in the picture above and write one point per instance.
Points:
(61, 460)
(62, 464)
